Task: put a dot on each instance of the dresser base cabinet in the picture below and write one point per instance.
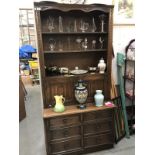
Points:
(79, 131)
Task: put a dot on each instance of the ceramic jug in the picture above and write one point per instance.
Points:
(59, 106)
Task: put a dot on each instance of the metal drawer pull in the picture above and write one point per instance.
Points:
(65, 133)
(65, 120)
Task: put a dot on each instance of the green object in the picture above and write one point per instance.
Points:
(120, 63)
(59, 106)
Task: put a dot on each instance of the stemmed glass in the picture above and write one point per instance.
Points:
(50, 23)
(83, 26)
(93, 44)
(79, 40)
(93, 26)
(102, 22)
(101, 42)
(52, 43)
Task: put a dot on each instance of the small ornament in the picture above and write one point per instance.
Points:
(101, 66)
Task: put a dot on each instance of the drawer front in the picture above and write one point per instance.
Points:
(65, 146)
(64, 133)
(103, 139)
(101, 114)
(64, 121)
(97, 127)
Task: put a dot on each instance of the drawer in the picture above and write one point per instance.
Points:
(64, 133)
(65, 146)
(64, 121)
(102, 139)
(101, 114)
(97, 127)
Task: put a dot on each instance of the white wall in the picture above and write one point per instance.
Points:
(121, 34)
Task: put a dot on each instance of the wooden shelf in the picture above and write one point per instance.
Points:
(87, 75)
(74, 33)
(75, 51)
(48, 113)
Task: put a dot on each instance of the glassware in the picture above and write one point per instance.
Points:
(85, 44)
(60, 24)
(93, 44)
(60, 45)
(52, 44)
(75, 26)
(50, 23)
(79, 40)
(83, 26)
(102, 22)
(93, 25)
(101, 42)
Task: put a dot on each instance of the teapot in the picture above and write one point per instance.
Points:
(59, 106)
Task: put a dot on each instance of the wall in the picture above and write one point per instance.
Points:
(121, 34)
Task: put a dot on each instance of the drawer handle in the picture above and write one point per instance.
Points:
(65, 120)
(65, 133)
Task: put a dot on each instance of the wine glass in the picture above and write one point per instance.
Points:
(50, 23)
(102, 22)
(101, 42)
(93, 44)
(52, 43)
(93, 25)
(83, 26)
(79, 40)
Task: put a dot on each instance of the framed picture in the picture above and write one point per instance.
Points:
(123, 12)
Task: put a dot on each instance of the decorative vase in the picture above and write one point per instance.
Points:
(81, 94)
(101, 66)
(99, 98)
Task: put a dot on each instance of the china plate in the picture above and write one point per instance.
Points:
(78, 71)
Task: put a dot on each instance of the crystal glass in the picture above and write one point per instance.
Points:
(101, 42)
(93, 25)
(83, 26)
(60, 24)
(79, 40)
(93, 44)
(60, 45)
(52, 44)
(85, 44)
(50, 23)
(75, 26)
(102, 22)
